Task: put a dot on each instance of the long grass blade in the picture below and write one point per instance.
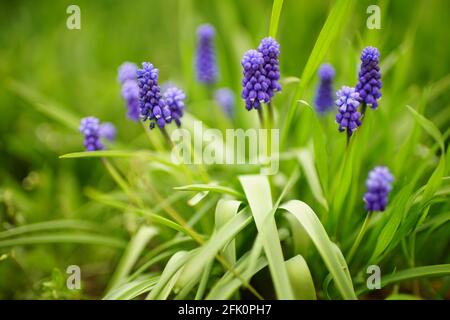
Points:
(330, 31)
(131, 254)
(301, 279)
(306, 216)
(439, 270)
(91, 239)
(257, 191)
(275, 17)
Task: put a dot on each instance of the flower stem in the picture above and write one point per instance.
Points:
(261, 117)
(167, 137)
(271, 116)
(359, 237)
(348, 138)
(363, 110)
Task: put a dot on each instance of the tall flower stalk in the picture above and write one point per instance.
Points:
(379, 185)
(324, 95)
(90, 128)
(348, 117)
(130, 91)
(205, 60)
(369, 79)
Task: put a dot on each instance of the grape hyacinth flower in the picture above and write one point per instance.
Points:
(130, 93)
(127, 71)
(324, 95)
(270, 50)
(151, 103)
(108, 131)
(225, 98)
(378, 187)
(205, 56)
(379, 184)
(166, 85)
(90, 128)
(369, 78)
(255, 84)
(174, 99)
(348, 116)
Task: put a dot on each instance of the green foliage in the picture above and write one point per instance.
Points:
(141, 226)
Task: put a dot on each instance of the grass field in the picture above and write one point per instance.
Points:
(139, 225)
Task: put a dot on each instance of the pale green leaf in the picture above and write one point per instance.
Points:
(306, 216)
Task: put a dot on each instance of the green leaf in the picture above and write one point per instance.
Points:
(300, 277)
(50, 225)
(320, 150)
(436, 178)
(276, 11)
(257, 191)
(228, 284)
(343, 182)
(203, 281)
(155, 259)
(111, 201)
(92, 239)
(396, 213)
(207, 252)
(40, 103)
(131, 254)
(225, 211)
(248, 265)
(435, 222)
(306, 160)
(330, 31)
(300, 238)
(402, 296)
(212, 188)
(429, 127)
(171, 271)
(120, 154)
(306, 216)
(439, 270)
(130, 290)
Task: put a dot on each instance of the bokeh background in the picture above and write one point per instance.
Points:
(42, 63)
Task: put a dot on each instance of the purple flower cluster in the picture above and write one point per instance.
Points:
(255, 84)
(206, 57)
(324, 95)
(378, 187)
(225, 98)
(261, 74)
(108, 131)
(151, 103)
(130, 90)
(369, 80)
(348, 116)
(130, 93)
(270, 50)
(127, 71)
(90, 128)
(174, 99)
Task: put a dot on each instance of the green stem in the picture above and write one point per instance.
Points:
(359, 237)
(261, 117)
(271, 116)
(363, 110)
(167, 137)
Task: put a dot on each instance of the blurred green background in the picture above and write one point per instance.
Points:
(41, 61)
